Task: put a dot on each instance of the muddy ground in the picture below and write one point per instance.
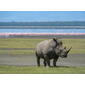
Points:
(30, 60)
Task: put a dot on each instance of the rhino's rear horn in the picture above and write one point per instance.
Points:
(69, 50)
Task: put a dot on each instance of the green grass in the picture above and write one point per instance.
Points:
(40, 70)
(19, 43)
(78, 45)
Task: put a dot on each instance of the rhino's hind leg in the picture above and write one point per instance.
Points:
(47, 60)
(38, 61)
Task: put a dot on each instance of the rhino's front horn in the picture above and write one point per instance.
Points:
(69, 50)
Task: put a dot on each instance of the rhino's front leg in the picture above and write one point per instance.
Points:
(54, 61)
(44, 62)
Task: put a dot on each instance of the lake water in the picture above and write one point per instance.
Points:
(42, 30)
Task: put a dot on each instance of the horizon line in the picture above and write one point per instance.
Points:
(42, 21)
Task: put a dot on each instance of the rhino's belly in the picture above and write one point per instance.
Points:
(51, 55)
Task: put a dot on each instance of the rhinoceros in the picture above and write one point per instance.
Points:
(50, 49)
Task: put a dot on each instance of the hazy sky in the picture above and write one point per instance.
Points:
(32, 16)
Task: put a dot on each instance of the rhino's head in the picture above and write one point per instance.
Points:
(62, 51)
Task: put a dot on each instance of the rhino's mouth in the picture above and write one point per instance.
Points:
(63, 56)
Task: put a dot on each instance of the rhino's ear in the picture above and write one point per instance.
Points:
(55, 39)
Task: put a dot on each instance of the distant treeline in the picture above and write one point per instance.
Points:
(73, 23)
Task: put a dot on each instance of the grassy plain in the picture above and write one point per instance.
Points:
(41, 70)
(78, 45)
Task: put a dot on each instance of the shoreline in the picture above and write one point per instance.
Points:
(38, 34)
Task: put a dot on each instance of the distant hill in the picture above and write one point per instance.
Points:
(70, 23)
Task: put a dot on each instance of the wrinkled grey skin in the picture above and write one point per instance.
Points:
(50, 49)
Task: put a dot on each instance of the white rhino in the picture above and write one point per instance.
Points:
(50, 49)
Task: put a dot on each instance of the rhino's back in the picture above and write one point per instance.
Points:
(45, 46)
(41, 46)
